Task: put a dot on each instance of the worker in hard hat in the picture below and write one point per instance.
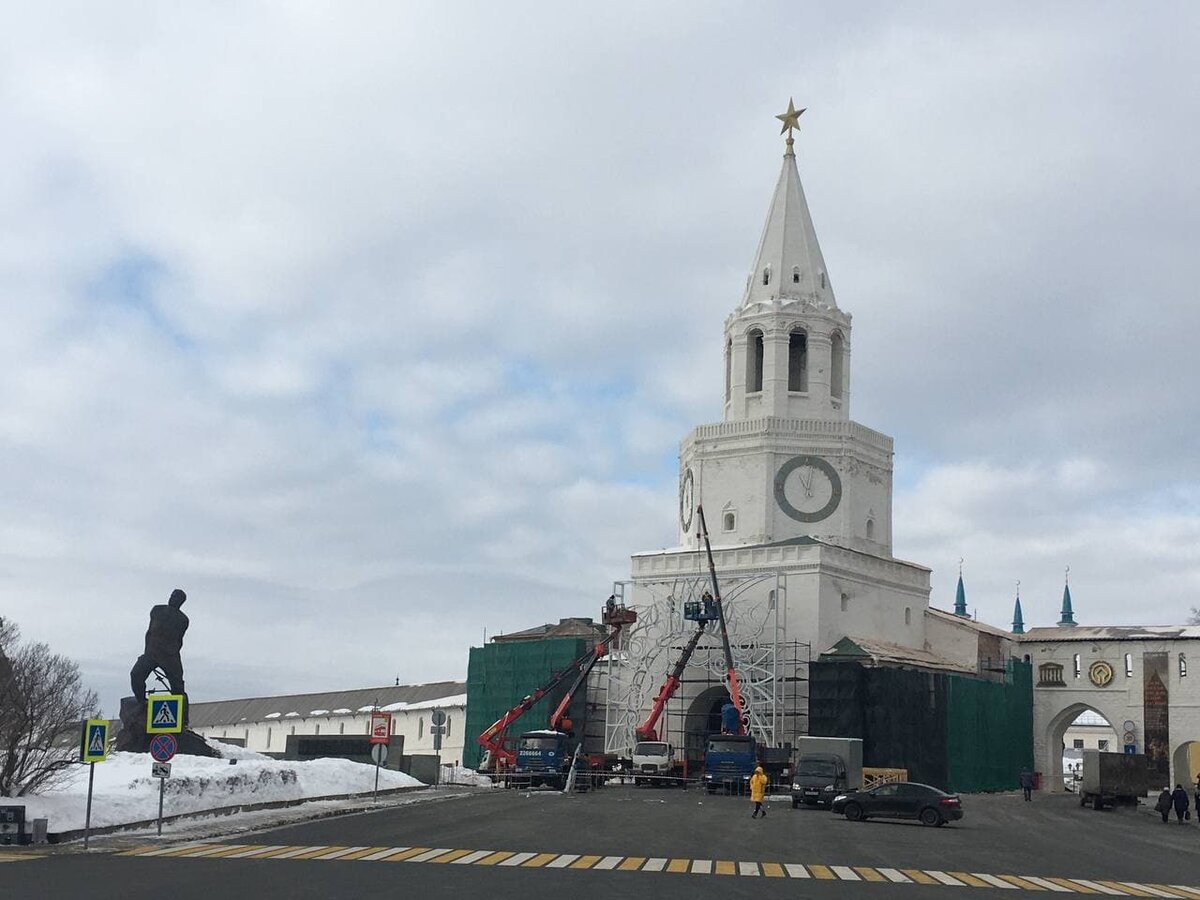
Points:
(758, 792)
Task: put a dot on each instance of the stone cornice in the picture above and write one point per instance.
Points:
(773, 426)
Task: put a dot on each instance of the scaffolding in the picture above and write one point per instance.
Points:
(772, 670)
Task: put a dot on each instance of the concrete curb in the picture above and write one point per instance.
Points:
(62, 837)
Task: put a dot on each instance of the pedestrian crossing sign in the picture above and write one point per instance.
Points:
(93, 746)
(164, 714)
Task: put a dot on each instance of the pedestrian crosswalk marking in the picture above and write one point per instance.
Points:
(657, 865)
(18, 857)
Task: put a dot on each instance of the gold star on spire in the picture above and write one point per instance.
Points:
(790, 119)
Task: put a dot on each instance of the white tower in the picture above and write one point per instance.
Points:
(787, 461)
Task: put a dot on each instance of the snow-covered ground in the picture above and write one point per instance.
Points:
(126, 792)
(460, 775)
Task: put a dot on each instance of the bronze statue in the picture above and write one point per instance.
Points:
(164, 640)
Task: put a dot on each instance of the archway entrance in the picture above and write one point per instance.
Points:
(703, 719)
(1077, 728)
(1185, 766)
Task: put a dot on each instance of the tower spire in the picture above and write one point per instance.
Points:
(789, 263)
(1018, 619)
(1067, 617)
(960, 595)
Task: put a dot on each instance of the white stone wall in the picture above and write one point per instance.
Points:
(1123, 700)
(270, 735)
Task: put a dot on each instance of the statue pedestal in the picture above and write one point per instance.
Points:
(132, 737)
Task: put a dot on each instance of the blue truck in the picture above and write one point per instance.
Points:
(729, 761)
(543, 757)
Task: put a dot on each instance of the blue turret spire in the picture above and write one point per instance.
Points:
(1018, 619)
(960, 596)
(1067, 617)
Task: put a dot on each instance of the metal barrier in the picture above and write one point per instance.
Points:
(875, 777)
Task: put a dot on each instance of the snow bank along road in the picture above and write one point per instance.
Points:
(674, 844)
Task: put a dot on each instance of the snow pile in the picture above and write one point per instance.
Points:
(126, 792)
(461, 775)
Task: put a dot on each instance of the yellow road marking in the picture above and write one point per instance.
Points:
(412, 851)
(631, 864)
(1021, 883)
(868, 873)
(1073, 885)
(449, 857)
(1124, 888)
(678, 865)
(1176, 890)
(968, 878)
(585, 862)
(272, 852)
(822, 872)
(772, 870)
(493, 859)
(359, 854)
(538, 861)
(240, 848)
(726, 867)
(919, 877)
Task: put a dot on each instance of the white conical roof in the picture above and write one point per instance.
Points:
(789, 247)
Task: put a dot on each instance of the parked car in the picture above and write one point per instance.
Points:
(900, 800)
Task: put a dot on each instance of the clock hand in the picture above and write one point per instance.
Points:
(808, 489)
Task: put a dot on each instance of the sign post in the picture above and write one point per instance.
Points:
(438, 718)
(381, 733)
(164, 720)
(93, 748)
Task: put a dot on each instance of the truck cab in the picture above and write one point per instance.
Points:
(654, 763)
(543, 757)
(819, 777)
(729, 761)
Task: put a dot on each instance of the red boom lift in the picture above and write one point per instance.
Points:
(498, 756)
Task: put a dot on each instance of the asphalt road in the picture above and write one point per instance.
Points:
(669, 843)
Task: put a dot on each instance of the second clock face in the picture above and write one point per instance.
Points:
(687, 499)
(807, 488)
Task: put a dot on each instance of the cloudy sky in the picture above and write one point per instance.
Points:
(377, 326)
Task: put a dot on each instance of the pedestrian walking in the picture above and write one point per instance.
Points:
(758, 792)
(1163, 806)
(1179, 799)
(1198, 796)
(1027, 784)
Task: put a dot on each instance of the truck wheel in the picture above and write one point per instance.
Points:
(1083, 799)
(795, 803)
(853, 812)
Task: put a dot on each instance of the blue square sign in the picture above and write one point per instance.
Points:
(164, 714)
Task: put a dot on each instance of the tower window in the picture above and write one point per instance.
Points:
(341, 728)
(823, 281)
(795, 274)
(729, 522)
(754, 362)
(767, 275)
(798, 361)
(837, 373)
(870, 529)
(1128, 665)
(420, 728)
(1182, 666)
(845, 602)
(1078, 666)
(908, 615)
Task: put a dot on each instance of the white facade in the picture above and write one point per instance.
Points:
(1104, 670)
(270, 721)
(797, 499)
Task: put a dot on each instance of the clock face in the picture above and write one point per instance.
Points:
(807, 488)
(687, 499)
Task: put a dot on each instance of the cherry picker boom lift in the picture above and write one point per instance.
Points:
(497, 755)
(734, 693)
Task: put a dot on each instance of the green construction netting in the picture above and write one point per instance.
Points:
(989, 730)
(499, 675)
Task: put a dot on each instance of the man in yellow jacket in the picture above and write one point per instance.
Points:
(758, 792)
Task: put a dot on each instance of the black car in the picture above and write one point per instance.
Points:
(900, 800)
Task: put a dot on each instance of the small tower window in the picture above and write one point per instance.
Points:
(341, 728)
(318, 731)
(908, 615)
(798, 361)
(268, 738)
(1128, 665)
(823, 281)
(1182, 666)
(870, 529)
(845, 602)
(767, 275)
(754, 362)
(795, 274)
(420, 728)
(1078, 666)
(837, 373)
(729, 522)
